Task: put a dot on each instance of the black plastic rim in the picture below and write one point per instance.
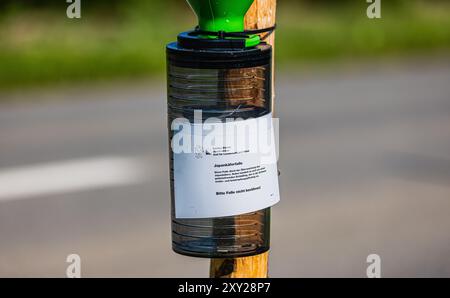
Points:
(192, 40)
(218, 58)
(194, 52)
(218, 255)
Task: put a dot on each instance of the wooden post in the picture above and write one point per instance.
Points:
(261, 15)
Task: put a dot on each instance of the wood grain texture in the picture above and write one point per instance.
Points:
(247, 267)
(261, 15)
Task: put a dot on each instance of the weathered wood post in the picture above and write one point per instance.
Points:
(262, 14)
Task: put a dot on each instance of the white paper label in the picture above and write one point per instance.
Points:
(234, 174)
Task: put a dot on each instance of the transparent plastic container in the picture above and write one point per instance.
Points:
(221, 92)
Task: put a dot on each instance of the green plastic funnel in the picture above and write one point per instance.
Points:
(220, 15)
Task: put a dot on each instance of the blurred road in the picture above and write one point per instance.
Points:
(364, 160)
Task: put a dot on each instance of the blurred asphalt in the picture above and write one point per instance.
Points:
(364, 160)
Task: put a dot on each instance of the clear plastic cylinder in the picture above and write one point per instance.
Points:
(222, 92)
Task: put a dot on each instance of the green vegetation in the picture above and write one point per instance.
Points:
(324, 34)
(39, 45)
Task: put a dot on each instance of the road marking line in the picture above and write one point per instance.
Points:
(70, 176)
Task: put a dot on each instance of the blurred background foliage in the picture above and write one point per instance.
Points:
(125, 39)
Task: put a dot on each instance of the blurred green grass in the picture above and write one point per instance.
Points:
(41, 46)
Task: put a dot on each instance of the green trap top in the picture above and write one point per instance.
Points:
(223, 15)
